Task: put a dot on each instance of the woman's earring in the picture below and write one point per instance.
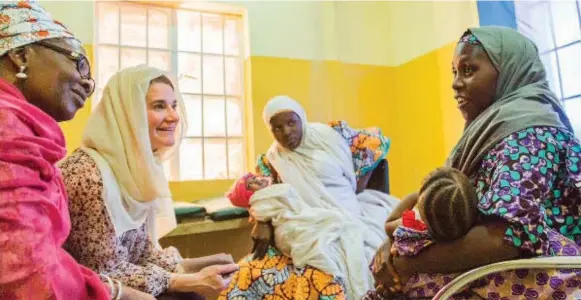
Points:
(21, 75)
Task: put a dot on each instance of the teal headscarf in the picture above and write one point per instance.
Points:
(523, 98)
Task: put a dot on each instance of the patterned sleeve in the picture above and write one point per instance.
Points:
(515, 182)
(167, 258)
(368, 146)
(264, 168)
(93, 241)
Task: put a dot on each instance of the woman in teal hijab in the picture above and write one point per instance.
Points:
(519, 151)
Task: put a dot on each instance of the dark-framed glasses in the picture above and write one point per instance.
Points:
(83, 66)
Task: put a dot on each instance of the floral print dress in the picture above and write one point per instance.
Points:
(275, 277)
(131, 257)
(532, 180)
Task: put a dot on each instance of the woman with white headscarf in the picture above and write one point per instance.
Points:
(117, 187)
(328, 166)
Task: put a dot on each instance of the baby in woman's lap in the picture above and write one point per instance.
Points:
(444, 210)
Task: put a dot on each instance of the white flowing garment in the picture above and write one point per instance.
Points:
(319, 219)
(135, 189)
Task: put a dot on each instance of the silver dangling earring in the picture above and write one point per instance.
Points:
(21, 75)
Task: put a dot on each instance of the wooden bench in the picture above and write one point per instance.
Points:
(205, 237)
(194, 238)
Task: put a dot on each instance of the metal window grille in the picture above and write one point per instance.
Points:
(204, 51)
(543, 22)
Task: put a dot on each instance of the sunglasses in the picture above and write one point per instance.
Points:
(83, 66)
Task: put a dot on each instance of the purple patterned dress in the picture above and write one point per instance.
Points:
(532, 180)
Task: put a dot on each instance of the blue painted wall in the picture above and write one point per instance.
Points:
(496, 13)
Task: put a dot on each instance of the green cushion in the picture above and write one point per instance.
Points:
(190, 211)
(229, 213)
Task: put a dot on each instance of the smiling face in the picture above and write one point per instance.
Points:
(162, 115)
(475, 80)
(54, 83)
(287, 129)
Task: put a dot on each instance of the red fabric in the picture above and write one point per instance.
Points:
(240, 194)
(34, 215)
(409, 220)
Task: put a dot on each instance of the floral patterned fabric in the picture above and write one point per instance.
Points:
(130, 258)
(25, 22)
(409, 241)
(469, 38)
(532, 179)
(34, 219)
(276, 278)
(368, 147)
(517, 284)
(412, 236)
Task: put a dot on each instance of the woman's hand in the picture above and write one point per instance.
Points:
(128, 293)
(193, 265)
(214, 279)
(263, 237)
(386, 279)
(209, 282)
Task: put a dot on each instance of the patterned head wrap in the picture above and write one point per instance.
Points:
(469, 38)
(25, 22)
(523, 97)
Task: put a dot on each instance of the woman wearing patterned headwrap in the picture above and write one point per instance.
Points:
(519, 151)
(44, 79)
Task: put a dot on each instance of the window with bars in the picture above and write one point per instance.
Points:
(555, 26)
(204, 51)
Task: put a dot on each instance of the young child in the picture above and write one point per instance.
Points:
(445, 210)
(245, 187)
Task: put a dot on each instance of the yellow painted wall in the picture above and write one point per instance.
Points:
(324, 54)
(383, 64)
(387, 64)
(413, 104)
(421, 27)
(349, 91)
(423, 120)
(426, 121)
(453, 123)
(417, 124)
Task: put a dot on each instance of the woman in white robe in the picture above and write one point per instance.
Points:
(328, 166)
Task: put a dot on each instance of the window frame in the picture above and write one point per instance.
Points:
(225, 11)
(556, 63)
(556, 49)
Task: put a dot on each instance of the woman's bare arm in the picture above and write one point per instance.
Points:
(406, 203)
(483, 244)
